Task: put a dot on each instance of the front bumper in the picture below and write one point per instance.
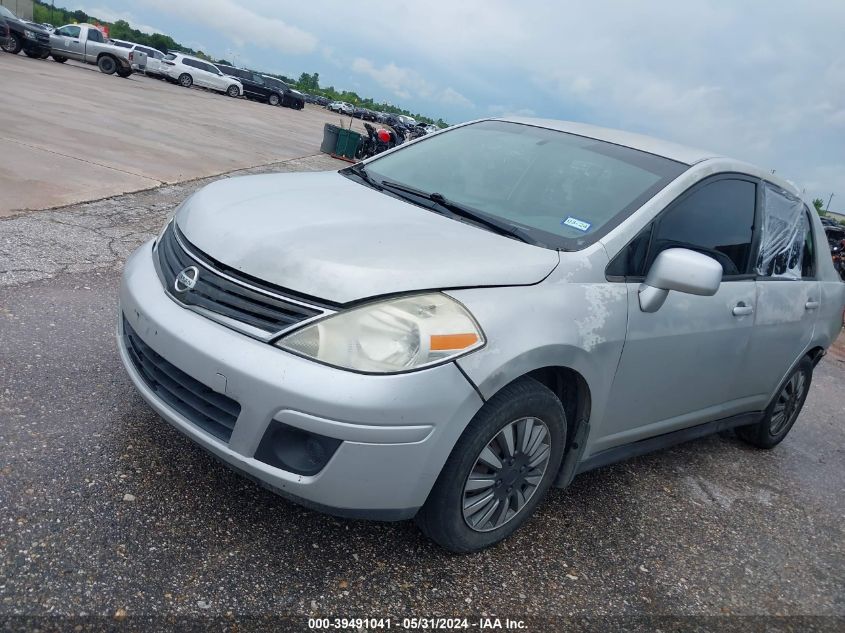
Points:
(396, 431)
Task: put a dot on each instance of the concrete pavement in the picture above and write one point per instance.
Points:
(69, 133)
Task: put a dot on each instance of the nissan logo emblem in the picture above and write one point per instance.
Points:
(186, 279)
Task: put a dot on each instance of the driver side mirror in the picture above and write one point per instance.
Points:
(682, 270)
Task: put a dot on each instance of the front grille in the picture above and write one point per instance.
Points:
(221, 295)
(211, 411)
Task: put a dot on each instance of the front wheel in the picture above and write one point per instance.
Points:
(13, 44)
(124, 72)
(783, 411)
(233, 91)
(273, 99)
(59, 59)
(499, 470)
(185, 80)
(107, 65)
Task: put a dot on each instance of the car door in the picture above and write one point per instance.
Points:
(788, 294)
(216, 79)
(683, 364)
(67, 43)
(199, 74)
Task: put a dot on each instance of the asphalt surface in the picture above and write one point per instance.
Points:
(110, 516)
(69, 133)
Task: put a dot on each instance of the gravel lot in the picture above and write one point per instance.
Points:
(108, 513)
(70, 134)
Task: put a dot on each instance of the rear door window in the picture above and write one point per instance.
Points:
(95, 36)
(785, 231)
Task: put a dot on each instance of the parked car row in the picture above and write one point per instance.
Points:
(86, 43)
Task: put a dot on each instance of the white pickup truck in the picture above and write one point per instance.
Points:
(86, 43)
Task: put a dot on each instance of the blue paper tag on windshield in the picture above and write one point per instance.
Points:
(575, 223)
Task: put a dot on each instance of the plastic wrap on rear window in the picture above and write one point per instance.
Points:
(784, 231)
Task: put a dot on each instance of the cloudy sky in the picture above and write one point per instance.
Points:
(763, 81)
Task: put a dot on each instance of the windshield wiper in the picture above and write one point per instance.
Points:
(497, 226)
(361, 171)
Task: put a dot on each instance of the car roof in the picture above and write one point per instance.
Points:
(659, 147)
(667, 149)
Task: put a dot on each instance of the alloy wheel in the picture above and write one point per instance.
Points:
(788, 403)
(506, 474)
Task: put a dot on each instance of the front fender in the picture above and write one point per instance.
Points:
(580, 326)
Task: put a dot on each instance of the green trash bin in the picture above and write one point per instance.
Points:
(347, 143)
(329, 145)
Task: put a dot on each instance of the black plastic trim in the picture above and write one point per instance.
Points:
(211, 411)
(642, 447)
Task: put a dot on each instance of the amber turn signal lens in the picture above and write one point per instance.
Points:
(445, 342)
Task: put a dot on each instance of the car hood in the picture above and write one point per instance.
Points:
(326, 236)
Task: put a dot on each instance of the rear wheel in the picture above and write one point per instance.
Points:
(499, 470)
(107, 65)
(185, 80)
(59, 58)
(32, 54)
(783, 411)
(273, 100)
(233, 91)
(13, 44)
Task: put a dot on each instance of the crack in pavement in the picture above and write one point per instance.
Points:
(102, 233)
(82, 160)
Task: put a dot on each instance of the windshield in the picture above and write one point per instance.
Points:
(566, 191)
(6, 13)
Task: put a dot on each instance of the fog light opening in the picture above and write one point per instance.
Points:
(295, 450)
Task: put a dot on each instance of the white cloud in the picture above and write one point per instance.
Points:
(451, 96)
(240, 24)
(110, 15)
(405, 83)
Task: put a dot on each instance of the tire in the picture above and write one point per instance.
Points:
(524, 406)
(43, 54)
(273, 99)
(124, 72)
(59, 59)
(107, 65)
(185, 80)
(13, 44)
(32, 54)
(233, 91)
(781, 414)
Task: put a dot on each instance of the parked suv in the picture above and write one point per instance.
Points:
(259, 87)
(292, 98)
(492, 310)
(188, 71)
(30, 38)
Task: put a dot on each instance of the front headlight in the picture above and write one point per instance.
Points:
(30, 35)
(390, 336)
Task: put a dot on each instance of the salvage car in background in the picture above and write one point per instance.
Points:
(461, 323)
(24, 36)
(86, 43)
(291, 98)
(188, 71)
(341, 107)
(152, 63)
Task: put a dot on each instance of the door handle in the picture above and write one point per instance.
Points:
(811, 305)
(740, 309)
